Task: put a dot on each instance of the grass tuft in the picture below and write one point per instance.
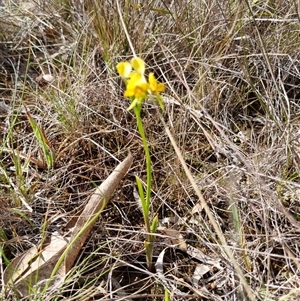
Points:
(232, 97)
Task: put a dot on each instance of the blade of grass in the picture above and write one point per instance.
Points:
(49, 155)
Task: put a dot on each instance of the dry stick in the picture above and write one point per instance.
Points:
(125, 29)
(210, 216)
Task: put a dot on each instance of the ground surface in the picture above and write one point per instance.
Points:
(232, 105)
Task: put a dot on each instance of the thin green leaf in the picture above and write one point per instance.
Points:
(145, 206)
(154, 224)
(43, 142)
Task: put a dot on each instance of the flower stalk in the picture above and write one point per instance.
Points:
(138, 88)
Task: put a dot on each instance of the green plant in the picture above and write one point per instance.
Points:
(48, 153)
(138, 88)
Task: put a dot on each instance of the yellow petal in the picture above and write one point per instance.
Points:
(124, 69)
(135, 79)
(160, 87)
(140, 92)
(154, 85)
(152, 82)
(137, 91)
(138, 65)
(129, 93)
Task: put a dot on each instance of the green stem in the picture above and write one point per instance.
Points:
(137, 111)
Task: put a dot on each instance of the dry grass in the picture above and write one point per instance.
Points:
(232, 104)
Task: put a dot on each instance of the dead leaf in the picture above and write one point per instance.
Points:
(36, 265)
(172, 282)
(169, 283)
(200, 256)
(94, 206)
(176, 237)
(199, 272)
(44, 79)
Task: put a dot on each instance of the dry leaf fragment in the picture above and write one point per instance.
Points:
(44, 79)
(171, 283)
(95, 205)
(175, 236)
(34, 266)
(24, 271)
(200, 256)
(199, 272)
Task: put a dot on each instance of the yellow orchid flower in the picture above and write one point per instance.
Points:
(154, 85)
(137, 86)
